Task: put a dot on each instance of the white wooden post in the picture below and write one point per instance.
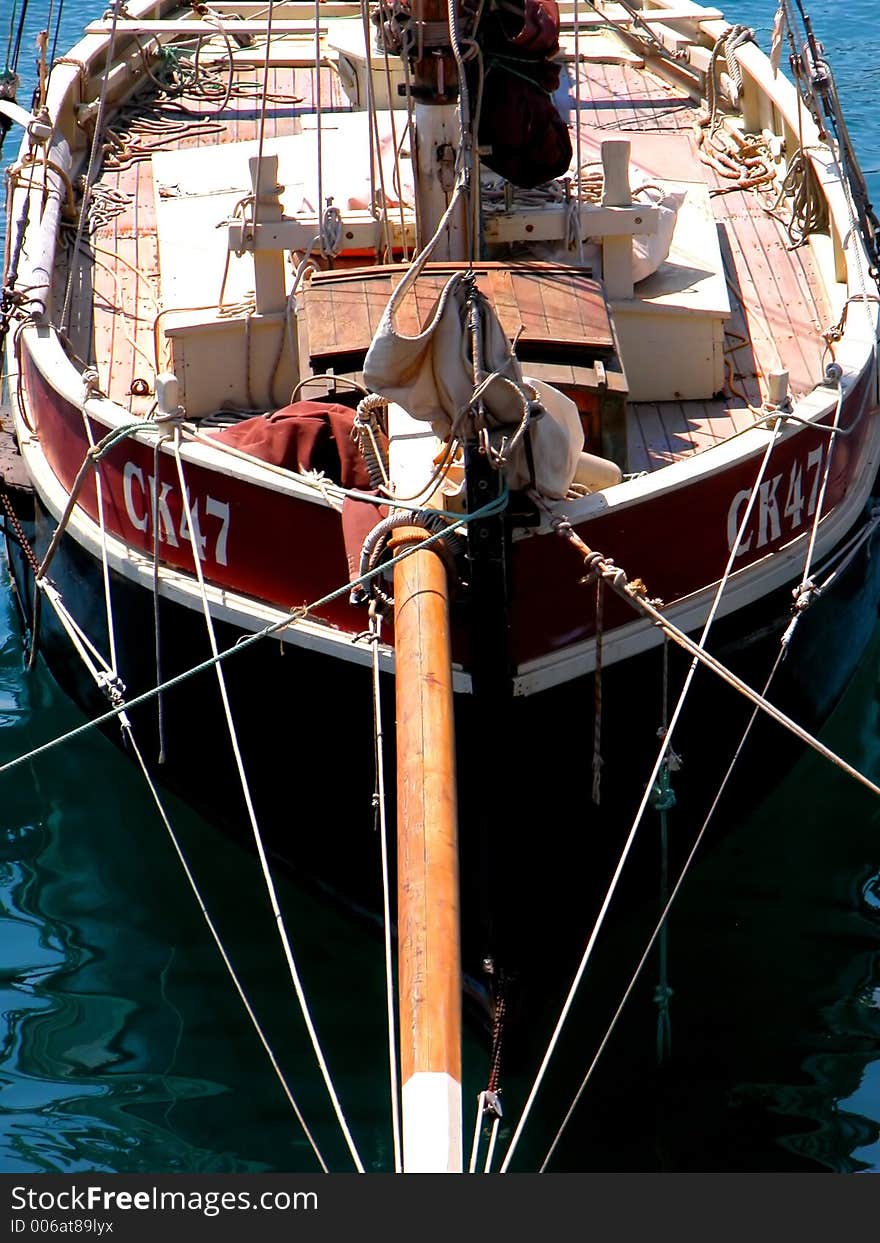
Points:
(617, 270)
(269, 286)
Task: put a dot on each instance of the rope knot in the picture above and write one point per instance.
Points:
(113, 687)
(331, 230)
(804, 595)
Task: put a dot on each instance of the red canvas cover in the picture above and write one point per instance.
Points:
(308, 435)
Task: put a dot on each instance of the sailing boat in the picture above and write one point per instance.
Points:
(517, 346)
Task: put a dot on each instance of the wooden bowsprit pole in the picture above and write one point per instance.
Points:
(428, 932)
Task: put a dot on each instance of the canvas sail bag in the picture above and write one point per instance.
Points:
(431, 376)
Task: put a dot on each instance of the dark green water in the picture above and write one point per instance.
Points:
(124, 1047)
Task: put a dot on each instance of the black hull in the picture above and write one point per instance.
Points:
(536, 853)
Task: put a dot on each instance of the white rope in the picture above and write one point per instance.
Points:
(633, 592)
(227, 962)
(843, 556)
(624, 854)
(493, 1137)
(478, 1126)
(105, 564)
(660, 925)
(478, 1129)
(814, 528)
(108, 682)
(90, 171)
(258, 840)
(85, 649)
(246, 641)
(375, 639)
(262, 132)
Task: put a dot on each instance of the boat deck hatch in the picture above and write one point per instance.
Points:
(556, 313)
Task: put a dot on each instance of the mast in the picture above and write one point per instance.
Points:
(436, 92)
(427, 864)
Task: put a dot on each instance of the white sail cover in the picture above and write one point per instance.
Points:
(431, 376)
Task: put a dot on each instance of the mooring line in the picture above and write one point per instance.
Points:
(268, 880)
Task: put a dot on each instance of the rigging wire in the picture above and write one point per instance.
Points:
(107, 680)
(375, 635)
(845, 556)
(19, 35)
(218, 941)
(637, 819)
(57, 30)
(192, 530)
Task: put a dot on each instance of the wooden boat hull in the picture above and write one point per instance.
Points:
(303, 720)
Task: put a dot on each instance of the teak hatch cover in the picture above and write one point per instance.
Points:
(557, 313)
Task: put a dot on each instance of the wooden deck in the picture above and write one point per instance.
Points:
(777, 312)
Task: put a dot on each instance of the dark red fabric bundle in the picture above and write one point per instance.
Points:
(539, 35)
(309, 435)
(527, 140)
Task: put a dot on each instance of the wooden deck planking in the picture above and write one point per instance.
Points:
(638, 456)
(780, 300)
(791, 323)
(653, 432)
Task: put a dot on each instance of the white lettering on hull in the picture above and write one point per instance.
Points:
(767, 522)
(148, 510)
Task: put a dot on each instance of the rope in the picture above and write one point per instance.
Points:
(808, 209)
(820, 501)
(157, 631)
(258, 840)
(375, 635)
(57, 31)
(90, 174)
(761, 703)
(290, 618)
(227, 962)
(664, 800)
(487, 1103)
(93, 456)
(597, 694)
(659, 926)
(844, 556)
(107, 680)
(634, 592)
(11, 36)
(19, 34)
(105, 565)
(616, 579)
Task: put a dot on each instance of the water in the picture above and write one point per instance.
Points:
(125, 1049)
